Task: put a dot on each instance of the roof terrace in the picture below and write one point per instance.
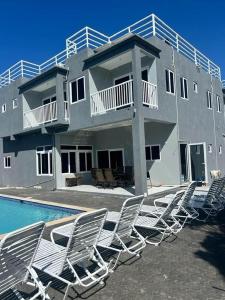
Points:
(90, 38)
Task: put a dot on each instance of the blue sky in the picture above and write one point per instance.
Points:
(36, 30)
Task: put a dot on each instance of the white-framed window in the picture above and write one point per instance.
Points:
(76, 159)
(209, 100)
(7, 162)
(15, 103)
(195, 87)
(44, 160)
(77, 90)
(210, 148)
(170, 82)
(183, 88)
(4, 108)
(218, 103)
(110, 158)
(85, 160)
(220, 149)
(152, 152)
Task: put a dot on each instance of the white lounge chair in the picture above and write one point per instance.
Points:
(17, 251)
(211, 202)
(81, 250)
(182, 211)
(124, 229)
(164, 224)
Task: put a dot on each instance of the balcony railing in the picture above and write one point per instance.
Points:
(43, 114)
(121, 96)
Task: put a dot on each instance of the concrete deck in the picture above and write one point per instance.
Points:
(190, 267)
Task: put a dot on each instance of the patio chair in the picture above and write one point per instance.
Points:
(164, 224)
(210, 203)
(99, 178)
(109, 178)
(81, 250)
(124, 228)
(17, 251)
(182, 211)
(124, 231)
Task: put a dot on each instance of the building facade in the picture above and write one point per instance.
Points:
(143, 97)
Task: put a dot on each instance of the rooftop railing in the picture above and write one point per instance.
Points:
(90, 38)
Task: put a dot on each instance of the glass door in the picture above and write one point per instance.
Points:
(197, 162)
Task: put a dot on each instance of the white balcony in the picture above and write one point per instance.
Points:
(43, 114)
(121, 96)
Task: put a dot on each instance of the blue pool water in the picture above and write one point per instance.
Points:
(15, 213)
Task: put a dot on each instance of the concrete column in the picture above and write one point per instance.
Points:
(60, 98)
(138, 129)
(57, 165)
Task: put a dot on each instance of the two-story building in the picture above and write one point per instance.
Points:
(144, 97)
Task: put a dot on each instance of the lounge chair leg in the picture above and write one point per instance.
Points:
(67, 291)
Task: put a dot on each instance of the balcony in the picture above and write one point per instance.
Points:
(121, 96)
(44, 114)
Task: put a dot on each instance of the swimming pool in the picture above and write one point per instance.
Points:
(17, 213)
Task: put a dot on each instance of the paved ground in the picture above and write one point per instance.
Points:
(192, 266)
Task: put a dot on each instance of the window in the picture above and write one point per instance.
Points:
(170, 88)
(195, 87)
(44, 160)
(220, 149)
(77, 90)
(3, 108)
(15, 103)
(152, 152)
(85, 161)
(209, 100)
(7, 162)
(210, 148)
(218, 103)
(112, 158)
(76, 158)
(183, 88)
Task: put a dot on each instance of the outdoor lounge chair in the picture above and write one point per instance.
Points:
(17, 250)
(80, 251)
(124, 229)
(99, 178)
(109, 178)
(182, 211)
(212, 202)
(164, 224)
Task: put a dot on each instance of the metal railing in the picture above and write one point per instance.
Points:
(90, 38)
(149, 94)
(112, 98)
(120, 96)
(40, 115)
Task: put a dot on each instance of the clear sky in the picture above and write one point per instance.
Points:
(36, 30)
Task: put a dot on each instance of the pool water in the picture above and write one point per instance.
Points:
(15, 214)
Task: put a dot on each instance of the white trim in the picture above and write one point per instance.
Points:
(174, 81)
(15, 101)
(220, 149)
(183, 85)
(205, 159)
(152, 145)
(147, 68)
(3, 108)
(70, 90)
(5, 159)
(44, 152)
(49, 97)
(210, 148)
(195, 84)
(211, 106)
(218, 104)
(110, 150)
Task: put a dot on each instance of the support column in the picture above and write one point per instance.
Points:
(60, 98)
(138, 129)
(56, 161)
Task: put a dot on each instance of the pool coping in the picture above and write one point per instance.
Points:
(51, 203)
